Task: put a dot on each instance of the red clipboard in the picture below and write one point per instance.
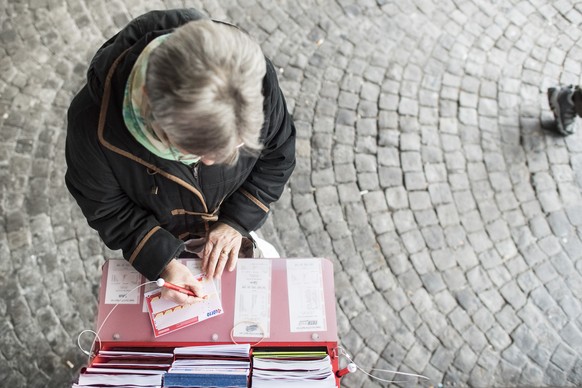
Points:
(129, 325)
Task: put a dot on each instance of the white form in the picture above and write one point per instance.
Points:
(122, 278)
(306, 300)
(252, 306)
(195, 266)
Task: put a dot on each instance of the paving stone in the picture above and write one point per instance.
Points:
(393, 353)
(576, 372)
(464, 201)
(440, 193)
(564, 356)
(417, 357)
(433, 282)
(443, 259)
(365, 325)
(498, 338)
(492, 299)
(434, 237)
(562, 264)
(570, 306)
(426, 217)
(410, 281)
(513, 295)
(413, 241)
(410, 317)
(528, 281)
(559, 223)
(465, 359)
(460, 319)
(552, 375)
(422, 262)
(442, 358)
(572, 246)
(429, 129)
(574, 214)
(388, 156)
(478, 279)
(454, 278)
(397, 198)
(404, 337)
(387, 177)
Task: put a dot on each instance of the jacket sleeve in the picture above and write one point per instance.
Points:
(247, 208)
(120, 222)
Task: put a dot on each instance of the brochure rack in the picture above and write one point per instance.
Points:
(127, 326)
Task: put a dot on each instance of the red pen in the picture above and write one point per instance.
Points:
(162, 283)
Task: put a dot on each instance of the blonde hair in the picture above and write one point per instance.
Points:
(204, 85)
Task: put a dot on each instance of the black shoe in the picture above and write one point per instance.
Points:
(563, 108)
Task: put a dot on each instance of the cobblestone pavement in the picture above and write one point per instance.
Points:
(452, 217)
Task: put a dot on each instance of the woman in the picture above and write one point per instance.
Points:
(181, 131)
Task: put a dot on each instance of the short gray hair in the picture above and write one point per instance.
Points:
(204, 85)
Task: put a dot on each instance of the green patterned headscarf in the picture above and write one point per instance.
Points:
(133, 103)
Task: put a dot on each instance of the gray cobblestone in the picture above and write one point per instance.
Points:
(415, 181)
(454, 278)
(552, 375)
(427, 124)
(426, 217)
(465, 359)
(562, 264)
(397, 198)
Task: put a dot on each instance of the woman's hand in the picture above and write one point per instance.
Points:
(178, 274)
(221, 249)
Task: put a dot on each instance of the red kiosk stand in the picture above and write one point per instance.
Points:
(127, 325)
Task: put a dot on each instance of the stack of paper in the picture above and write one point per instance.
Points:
(235, 350)
(292, 369)
(210, 366)
(126, 368)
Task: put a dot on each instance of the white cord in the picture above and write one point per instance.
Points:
(343, 351)
(89, 353)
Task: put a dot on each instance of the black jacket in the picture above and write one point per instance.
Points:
(147, 205)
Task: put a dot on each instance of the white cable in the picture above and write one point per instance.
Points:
(88, 353)
(382, 370)
(103, 323)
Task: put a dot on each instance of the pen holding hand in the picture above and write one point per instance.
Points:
(162, 283)
(179, 285)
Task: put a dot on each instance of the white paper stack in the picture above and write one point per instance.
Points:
(292, 373)
(235, 350)
(97, 379)
(210, 366)
(122, 368)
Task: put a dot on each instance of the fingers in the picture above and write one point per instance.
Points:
(213, 260)
(233, 259)
(222, 260)
(197, 289)
(174, 296)
(208, 248)
(219, 260)
(179, 275)
(221, 250)
(181, 298)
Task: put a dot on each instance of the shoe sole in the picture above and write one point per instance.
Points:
(553, 99)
